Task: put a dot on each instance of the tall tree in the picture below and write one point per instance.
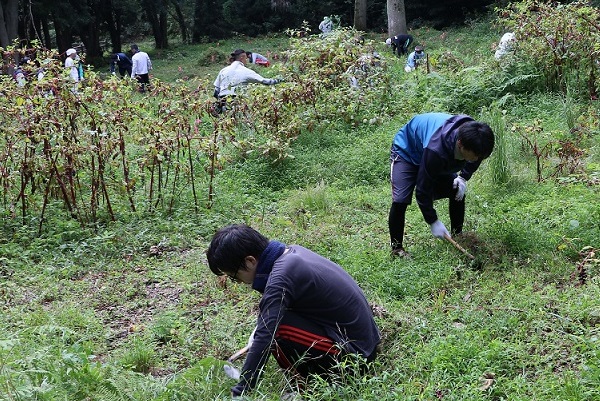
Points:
(209, 21)
(156, 12)
(180, 18)
(114, 24)
(360, 15)
(90, 31)
(9, 21)
(396, 17)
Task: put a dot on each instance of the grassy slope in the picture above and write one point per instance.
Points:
(138, 293)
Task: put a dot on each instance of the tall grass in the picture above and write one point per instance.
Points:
(499, 161)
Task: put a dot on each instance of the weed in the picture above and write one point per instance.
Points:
(499, 162)
(139, 356)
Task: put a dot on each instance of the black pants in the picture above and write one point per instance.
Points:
(125, 72)
(301, 346)
(144, 80)
(397, 215)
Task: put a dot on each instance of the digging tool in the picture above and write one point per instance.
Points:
(238, 354)
(231, 370)
(460, 248)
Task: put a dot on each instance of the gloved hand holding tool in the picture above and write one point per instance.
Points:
(438, 229)
(232, 371)
(460, 184)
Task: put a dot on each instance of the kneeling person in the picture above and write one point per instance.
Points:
(311, 313)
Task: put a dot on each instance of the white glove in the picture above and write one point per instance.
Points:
(438, 229)
(232, 372)
(461, 184)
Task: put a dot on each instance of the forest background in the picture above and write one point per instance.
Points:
(108, 199)
(109, 26)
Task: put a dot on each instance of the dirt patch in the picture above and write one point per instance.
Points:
(128, 300)
(484, 251)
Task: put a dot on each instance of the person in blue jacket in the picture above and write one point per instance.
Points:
(122, 62)
(311, 315)
(415, 59)
(434, 155)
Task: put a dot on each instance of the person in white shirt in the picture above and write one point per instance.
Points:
(505, 46)
(71, 67)
(258, 59)
(326, 26)
(141, 67)
(237, 74)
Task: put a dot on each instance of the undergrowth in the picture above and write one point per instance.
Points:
(126, 308)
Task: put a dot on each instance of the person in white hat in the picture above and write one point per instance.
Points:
(71, 67)
(505, 46)
(326, 26)
(70, 64)
(399, 43)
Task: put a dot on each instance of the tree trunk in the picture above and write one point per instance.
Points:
(90, 32)
(157, 17)
(9, 21)
(180, 18)
(396, 17)
(360, 15)
(64, 38)
(199, 29)
(45, 28)
(11, 18)
(4, 41)
(163, 36)
(114, 25)
(91, 40)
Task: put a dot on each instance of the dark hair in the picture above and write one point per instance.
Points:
(477, 137)
(230, 246)
(236, 55)
(135, 47)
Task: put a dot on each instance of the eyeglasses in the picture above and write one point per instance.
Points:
(234, 277)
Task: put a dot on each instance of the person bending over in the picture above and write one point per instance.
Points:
(311, 314)
(234, 75)
(436, 154)
(399, 43)
(415, 58)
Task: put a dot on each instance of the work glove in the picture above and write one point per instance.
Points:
(438, 229)
(461, 185)
(230, 370)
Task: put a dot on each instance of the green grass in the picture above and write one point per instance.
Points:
(130, 311)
